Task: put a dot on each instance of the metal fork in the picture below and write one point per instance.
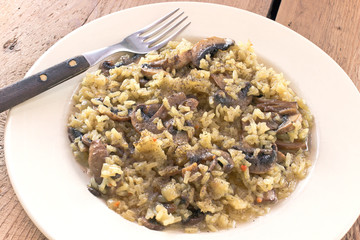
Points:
(149, 38)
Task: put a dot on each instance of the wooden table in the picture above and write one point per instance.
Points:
(29, 27)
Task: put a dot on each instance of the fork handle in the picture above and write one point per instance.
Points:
(31, 86)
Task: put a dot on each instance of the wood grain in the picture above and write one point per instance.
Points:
(338, 35)
(28, 29)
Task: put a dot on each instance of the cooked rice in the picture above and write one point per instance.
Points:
(134, 182)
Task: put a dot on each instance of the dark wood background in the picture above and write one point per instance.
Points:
(29, 27)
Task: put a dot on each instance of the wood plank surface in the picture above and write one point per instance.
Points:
(338, 36)
(28, 28)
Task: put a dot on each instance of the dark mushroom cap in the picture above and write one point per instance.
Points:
(209, 46)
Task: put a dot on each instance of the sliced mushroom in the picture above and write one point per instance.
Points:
(175, 62)
(147, 112)
(209, 46)
(170, 207)
(112, 114)
(218, 80)
(288, 124)
(191, 168)
(97, 155)
(73, 134)
(181, 137)
(280, 156)
(291, 146)
(270, 197)
(94, 191)
(229, 166)
(275, 105)
(196, 217)
(148, 71)
(151, 224)
(221, 97)
(169, 171)
(124, 60)
(200, 156)
(262, 162)
(173, 100)
(192, 103)
(86, 140)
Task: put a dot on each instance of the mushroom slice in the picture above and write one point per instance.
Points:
(262, 162)
(147, 112)
(200, 156)
(209, 46)
(151, 224)
(196, 217)
(176, 62)
(97, 155)
(124, 60)
(288, 124)
(148, 71)
(169, 171)
(219, 80)
(173, 100)
(221, 97)
(192, 103)
(112, 114)
(229, 166)
(73, 134)
(275, 105)
(290, 146)
(280, 157)
(269, 197)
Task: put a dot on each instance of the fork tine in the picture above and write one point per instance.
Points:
(166, 40)
(162, 19)
(160, 28)
(160, 36)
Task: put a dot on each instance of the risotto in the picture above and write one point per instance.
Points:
(197, 137)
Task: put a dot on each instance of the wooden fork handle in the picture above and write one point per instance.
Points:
(31, 86)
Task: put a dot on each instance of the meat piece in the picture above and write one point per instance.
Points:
(97, 155)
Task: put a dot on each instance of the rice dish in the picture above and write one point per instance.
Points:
(195, 136)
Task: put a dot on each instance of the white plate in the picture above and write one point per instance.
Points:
(52, 188)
